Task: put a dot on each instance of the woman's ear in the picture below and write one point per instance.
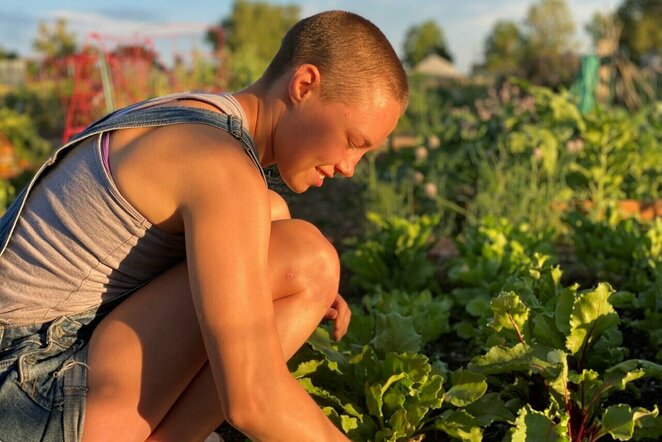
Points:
(305, 82)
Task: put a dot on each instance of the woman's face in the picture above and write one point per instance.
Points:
(317, 138)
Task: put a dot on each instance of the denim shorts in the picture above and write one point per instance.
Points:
(43, 376)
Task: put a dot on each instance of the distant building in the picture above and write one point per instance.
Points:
(13, 72)
(436, 66)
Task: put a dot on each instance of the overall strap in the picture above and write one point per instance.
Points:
(167, 115)
(127, 118)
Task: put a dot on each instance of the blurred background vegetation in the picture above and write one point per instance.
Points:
(502, 138)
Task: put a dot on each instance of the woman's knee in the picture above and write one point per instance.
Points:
(311, 259)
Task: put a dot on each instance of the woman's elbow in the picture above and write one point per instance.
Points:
(245, 413)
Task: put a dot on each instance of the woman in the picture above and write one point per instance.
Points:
(151, 286)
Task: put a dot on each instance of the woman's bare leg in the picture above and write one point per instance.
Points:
(197, 411)
(146, 353)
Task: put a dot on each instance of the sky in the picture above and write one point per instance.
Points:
(178, 26)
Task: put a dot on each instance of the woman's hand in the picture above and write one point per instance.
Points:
(340, 314)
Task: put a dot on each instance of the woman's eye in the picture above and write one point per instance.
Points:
(351, 145)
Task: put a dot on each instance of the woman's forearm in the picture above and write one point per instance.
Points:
(286, 412)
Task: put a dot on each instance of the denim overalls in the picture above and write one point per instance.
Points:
(43, 375)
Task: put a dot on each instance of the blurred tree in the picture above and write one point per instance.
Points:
(252, 35)
(55, 40)
(7, 54)
(641, 35)
(599, 27)
(550, 25)
(619, 79)
(423, 40)
(504, 49)
(549, 59)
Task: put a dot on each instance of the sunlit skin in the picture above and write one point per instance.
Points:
(208, 339)
(310, 137)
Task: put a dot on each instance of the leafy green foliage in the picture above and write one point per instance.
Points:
(399, 321)
(371, 398)
(569, 340)
(22, 134)
(620, 157)
(522, 152)
(628, 254)
(395, 255)
(7, 192)
(493, 254)
(550, 366)
(43, 105)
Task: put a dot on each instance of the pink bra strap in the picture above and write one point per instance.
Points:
(105, 142)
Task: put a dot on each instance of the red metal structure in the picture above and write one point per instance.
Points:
(105, 79)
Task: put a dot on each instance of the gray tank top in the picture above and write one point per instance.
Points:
(78, 243)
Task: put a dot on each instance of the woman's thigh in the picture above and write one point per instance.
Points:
(146, 351)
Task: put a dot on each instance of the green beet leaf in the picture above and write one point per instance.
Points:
(459, 424)
(322, 393)
(357, 429)
(431, 393)
(364, 367)
(361, 328)
(306, 368)
(592, 315)
(478, 306)
(416, 365)
(490, 408)
(648, 427)
(394, 399)
(521, 357)
(409, 392)
(375, 395)
(563, 309)
(559, 360)
(395, 333)
(590, 386)
(402, 424)
(532, 425)
(509, 313)
(627, 371)
(546, 332)
(429, 313)
(620, 420)
(606, 350)
(347, 423)
(321, 342)
(467, 387)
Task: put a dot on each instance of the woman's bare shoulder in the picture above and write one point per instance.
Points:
(159, 170)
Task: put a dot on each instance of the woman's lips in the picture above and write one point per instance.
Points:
(320, 177)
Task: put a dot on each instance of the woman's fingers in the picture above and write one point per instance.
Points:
(340, 313)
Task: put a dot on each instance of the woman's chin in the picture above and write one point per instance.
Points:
(295, 187)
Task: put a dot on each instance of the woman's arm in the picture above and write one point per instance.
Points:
(279, 208)
(226, 212)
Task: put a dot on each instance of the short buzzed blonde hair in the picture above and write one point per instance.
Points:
(351, 53)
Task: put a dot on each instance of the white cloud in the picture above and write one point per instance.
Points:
(86, 22)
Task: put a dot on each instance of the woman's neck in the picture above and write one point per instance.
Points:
(263, 109)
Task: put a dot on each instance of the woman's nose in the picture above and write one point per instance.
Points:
(346, 168)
